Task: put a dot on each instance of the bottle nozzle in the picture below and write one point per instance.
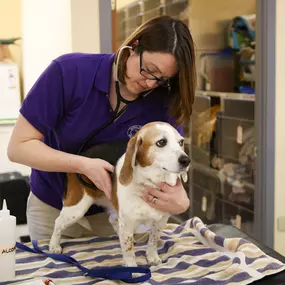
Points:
(4, 212)
(4, 206)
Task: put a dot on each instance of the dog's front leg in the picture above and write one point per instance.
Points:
(126, 236)
(155, 233)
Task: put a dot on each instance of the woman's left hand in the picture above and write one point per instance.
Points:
(171, 199)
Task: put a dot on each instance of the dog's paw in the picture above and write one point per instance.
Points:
(130, 263)
(55, 248)
(153, 259)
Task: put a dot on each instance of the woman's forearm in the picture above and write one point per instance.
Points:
(36, 154)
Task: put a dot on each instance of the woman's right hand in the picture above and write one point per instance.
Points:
(26, 147)
(97, 171)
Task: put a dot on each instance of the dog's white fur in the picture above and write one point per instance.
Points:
(163, 166)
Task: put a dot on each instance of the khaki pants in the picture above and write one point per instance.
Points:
(41, 218)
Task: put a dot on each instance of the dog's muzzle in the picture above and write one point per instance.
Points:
(184, 160)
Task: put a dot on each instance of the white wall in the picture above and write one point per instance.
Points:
(280, 126)
(46, 30)
(85, 30)
(51, 28)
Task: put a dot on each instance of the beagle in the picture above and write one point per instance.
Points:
(154, 155)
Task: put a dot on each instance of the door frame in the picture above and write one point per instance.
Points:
(265, 120)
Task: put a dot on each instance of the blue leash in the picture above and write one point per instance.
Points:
(111, 273)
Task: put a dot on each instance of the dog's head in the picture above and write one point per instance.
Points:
(157, 147)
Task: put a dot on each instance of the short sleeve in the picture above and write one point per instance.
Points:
(44, 104)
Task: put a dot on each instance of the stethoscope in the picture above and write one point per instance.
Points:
(116, 113)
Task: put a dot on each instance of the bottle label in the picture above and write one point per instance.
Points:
(7, 249)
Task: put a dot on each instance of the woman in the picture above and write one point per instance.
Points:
(78, 93)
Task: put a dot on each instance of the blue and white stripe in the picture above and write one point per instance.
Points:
(191, 253)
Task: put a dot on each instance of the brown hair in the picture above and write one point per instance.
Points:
(165, 34)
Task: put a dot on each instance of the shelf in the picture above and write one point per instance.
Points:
(240, 120)
(211, 171)
(234, 96)
(215, 173)
(174, 2)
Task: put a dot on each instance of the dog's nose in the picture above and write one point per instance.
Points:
(184, 160)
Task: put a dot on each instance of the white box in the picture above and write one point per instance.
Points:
(10, 99)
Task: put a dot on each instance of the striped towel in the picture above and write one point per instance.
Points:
(191, 253)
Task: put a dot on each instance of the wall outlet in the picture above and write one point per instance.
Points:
(281, 224)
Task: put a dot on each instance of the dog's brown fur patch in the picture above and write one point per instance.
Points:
(94, 193)
(126, 174)
(115, 201)
(75, 190)
(143, 157)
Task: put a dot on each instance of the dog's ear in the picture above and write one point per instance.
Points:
(126, 174)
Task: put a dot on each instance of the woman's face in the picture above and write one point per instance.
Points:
(161, 65)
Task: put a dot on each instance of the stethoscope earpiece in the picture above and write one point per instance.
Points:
(117, 60)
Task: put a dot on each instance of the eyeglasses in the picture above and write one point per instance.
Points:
(148, 75)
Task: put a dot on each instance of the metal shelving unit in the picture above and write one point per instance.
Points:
(139, 11)
(221, 186)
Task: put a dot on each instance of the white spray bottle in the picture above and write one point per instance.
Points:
(7, 244)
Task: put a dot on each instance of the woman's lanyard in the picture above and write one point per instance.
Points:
(110, 273)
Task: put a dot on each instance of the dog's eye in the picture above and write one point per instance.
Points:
(181, 143)
(161, 143)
